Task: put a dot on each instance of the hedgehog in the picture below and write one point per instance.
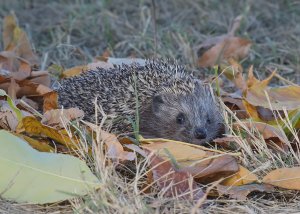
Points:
(162, 98)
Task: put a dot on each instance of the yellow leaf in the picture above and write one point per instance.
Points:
(288, 178)
(74, 71)
(40, 146)
(34, 127)
(181, 152)
(251, 110)
(242, 177)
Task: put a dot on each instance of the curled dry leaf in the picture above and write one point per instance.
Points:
(38, 145)
(279, 98)
(288, 178)
(229, 142)
(212, 168)
(54, 117)
(241, 192)
(173, 182)
(15, 39)
(217, 49)
(8, 116)
(273, 136)
(242, 177)
(50, 101)
(33, 127)
(205, 166)
(115, 149)
(266, 130)
(229, 47)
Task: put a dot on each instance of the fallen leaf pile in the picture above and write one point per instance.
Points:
(40, 144)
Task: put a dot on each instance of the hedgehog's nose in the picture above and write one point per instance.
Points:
(200, 133)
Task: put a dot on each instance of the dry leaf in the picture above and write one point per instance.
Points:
(215, 167)
(50, 101)
(173, 182)
(241, 192)
(38, 145)
(229, 142)
(229, 47)
(114, 148)
(8, 117)
(278, 98)
(181, 152)
(74, 71)
(271, 134)
(53, 117)
(33, 127)
(266, 130)
(242, 177)
(288, 178)
(13, 89)
(18, 41)
(203, 165)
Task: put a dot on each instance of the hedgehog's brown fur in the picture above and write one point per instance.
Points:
(172, 103)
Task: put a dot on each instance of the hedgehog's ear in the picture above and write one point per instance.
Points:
(157, 100)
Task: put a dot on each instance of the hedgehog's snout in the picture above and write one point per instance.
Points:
(200, 133)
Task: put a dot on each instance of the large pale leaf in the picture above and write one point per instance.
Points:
(288, 178)
(37, 177)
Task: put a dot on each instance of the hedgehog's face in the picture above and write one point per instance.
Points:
(193, 118)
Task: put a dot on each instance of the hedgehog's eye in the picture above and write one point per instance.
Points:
(180, 118)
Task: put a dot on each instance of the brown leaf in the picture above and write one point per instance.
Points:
(266, 130)
(214, 168)
(234, 72)
(9, 24)
(43, 80)
(53, 117)
(203, 165)
(50, 101)
(114, 148)
(227, 47)
(173, 182)
(228, 142)
(269, 133)
(241, 192)
(8, 117)
(18, 41)
(242, 177)
(288, 178)
(12, 90)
